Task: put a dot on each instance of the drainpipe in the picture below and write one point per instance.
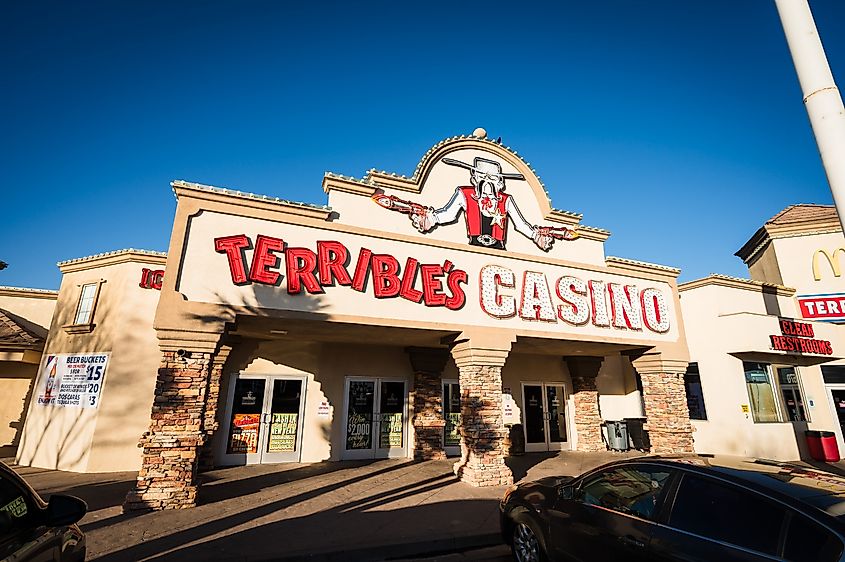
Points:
(821, 96)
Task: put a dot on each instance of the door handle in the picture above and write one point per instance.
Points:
(631, 541)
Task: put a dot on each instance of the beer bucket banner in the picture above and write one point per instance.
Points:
(74, 380)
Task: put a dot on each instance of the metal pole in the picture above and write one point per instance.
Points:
(821, 96)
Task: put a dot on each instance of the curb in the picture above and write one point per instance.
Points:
(398, 551)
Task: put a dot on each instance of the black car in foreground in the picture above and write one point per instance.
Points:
(679, 508)
(34, 530)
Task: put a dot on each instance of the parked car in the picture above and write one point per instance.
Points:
(692, 508)
(34, 530)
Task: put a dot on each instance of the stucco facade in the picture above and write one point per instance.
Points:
(25, 316)
(292, 332)
(120, 326)
(736, 340)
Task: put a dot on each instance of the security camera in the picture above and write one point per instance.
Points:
(182, 354)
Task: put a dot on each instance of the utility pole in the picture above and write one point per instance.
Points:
(821, 96)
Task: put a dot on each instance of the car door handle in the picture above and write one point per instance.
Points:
(631, 541)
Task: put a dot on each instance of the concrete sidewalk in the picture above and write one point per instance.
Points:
(363, 510)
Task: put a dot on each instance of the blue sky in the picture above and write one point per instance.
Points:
(678, 126)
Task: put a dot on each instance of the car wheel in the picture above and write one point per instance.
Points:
(525, 544)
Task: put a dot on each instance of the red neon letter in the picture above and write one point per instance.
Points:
(407, 290)
(332, 257)
(385, 278)
(300, 266)
(263, 259)
(233, 247)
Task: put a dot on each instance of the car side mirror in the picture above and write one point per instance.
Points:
(64, 510)
(566, 492)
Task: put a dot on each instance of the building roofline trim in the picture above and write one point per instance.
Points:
(737, 283)
(664, 269)
(116, 256)
(182, 184)
(6, 291)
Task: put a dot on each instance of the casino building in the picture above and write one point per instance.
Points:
(439, 314)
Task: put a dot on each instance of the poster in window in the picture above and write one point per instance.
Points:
(358, 432)
(73, 380)
(391, 430)
(453, 436)
(282, 433)
(244, 438)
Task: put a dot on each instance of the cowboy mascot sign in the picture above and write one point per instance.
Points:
(487, 209)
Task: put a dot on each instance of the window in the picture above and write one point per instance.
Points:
(790, 389)
(695, 396)
(631, 490)
(86, 304)
(713, 510)
(807, 541)
(761, 393)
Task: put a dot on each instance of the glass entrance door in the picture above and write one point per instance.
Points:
(376, 416)
(452, 417)
(544, 417)
(265, 420)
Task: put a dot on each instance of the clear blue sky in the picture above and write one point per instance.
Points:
(676, 125)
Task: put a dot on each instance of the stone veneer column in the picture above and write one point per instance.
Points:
(665, 401)
(171, 447)
(480, 360)
(210, 423)
(585, 396)
(428, 364)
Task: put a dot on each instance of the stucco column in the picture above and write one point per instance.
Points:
(171, 446)
(585, 397)
(480, 359)
(665, 401)
(428, 421)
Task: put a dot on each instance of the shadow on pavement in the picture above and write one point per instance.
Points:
(223, 483)
(520, 465)
(329, 524)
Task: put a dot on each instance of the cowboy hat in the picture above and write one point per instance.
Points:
(484, 166)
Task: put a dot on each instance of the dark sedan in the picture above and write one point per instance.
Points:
(32, 530)
(693, 508)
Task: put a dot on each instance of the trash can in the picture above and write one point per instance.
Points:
(822, 445)
(617, 435)
(637, 435)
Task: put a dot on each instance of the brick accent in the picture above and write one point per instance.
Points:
(482, 430)
(665, 401)
(427, 364)
(585, 397)
(167, 479)
(210, 422)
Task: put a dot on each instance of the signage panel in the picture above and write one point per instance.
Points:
(73, 380)
(828, 307)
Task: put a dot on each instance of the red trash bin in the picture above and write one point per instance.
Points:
(822, 445)
(830, 449)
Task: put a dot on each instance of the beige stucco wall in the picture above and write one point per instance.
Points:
(17, 366)
(102, 439)
(15, 380)
(36, 306)
(795, 257)
(716, 319)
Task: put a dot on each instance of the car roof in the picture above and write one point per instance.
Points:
(787, 480)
